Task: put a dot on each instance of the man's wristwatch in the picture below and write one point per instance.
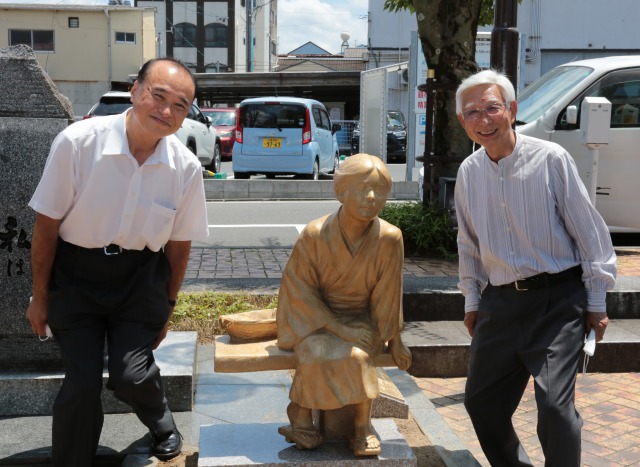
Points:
(172, 303)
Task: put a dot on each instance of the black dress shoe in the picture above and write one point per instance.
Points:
(168, 446)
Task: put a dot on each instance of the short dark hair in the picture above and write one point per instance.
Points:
(144, 71)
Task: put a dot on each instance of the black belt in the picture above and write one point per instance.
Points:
(109, 250)
(545, 279)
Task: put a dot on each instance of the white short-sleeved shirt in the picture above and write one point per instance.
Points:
(93, 183)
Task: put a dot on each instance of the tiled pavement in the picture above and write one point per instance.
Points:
(608, 402)
(211, 263)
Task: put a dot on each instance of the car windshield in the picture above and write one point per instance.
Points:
(395, 119)
(273, 115)
(112, 106)
(540, 95)
(222, 118)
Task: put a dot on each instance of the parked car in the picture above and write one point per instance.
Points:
(224, 120)
(284, 136)
(396, 137)
(550, 109)
(196, 133)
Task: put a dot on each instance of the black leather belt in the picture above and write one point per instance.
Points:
(109, 250)
(545, 279)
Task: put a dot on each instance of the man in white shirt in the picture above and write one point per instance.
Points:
(536, 261)
(119, 203)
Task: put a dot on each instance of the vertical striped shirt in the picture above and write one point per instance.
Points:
(527, 214)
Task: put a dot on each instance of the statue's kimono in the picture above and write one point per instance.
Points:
(328, 279)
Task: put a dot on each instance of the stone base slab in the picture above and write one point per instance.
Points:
(261, 444)
(34, 393)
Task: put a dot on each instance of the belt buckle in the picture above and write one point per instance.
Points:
(108, 253)
(518, 287)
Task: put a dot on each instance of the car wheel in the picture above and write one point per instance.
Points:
(192, 147)
(216, 162)
(241, 175)
(315, 175)
(336, 164)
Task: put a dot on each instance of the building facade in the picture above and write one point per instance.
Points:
(212, 36)
(85, 50)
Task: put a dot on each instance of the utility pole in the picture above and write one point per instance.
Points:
(250, 7)
(504, 39)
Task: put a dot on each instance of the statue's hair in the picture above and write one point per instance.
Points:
(486, 77)
(358, 167)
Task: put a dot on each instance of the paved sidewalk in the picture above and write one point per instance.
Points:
(239, 263)
(609, 403)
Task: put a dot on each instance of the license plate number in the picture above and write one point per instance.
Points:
(272, 143)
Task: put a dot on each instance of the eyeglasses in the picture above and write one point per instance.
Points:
(493, 110)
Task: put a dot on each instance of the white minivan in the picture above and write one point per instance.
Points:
(542, 113)
(284, 136)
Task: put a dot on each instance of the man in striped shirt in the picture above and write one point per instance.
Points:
(536, 261)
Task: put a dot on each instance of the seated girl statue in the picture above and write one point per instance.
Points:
(340, 303)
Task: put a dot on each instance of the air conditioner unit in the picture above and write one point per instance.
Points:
(404, 76)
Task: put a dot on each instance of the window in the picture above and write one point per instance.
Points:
(216, 67)
(184, 35)
(622, 89)
(215, 35)
(74, 22)
(38, 40)
(125, 37)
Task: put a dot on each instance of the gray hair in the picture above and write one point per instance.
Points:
(358, 167)
(486, 77)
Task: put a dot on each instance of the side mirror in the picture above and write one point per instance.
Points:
(572, 114)
(336, 127)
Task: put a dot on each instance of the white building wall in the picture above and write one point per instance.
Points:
(388, 29)
(559, 31)
(241, 37)
(389, 34)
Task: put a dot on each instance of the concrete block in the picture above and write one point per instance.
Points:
(251, 444)
(34, 393)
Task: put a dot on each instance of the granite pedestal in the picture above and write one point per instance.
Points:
(260, 444)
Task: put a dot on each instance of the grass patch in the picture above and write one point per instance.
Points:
(200, 311)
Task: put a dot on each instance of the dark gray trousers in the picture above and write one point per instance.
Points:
(120, 298)
(518, 334)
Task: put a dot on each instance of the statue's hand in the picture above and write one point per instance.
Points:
(400, 353)
(358, 333)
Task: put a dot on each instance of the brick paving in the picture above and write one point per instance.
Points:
(608, 402)
(211, 263)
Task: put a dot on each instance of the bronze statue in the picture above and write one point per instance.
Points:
(340, 303)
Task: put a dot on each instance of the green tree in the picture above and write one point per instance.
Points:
(447, 31)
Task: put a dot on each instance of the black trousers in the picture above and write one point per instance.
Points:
(123, 299)
(519, 334)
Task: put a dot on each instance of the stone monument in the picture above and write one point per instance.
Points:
(32, 113)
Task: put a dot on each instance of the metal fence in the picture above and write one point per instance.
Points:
(345, 135)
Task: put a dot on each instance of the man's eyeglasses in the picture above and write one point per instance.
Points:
(493, 110)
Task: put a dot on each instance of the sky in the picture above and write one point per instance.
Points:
(321, 22)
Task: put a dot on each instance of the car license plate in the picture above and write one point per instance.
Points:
(272, 143)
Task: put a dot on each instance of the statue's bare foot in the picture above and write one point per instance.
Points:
(366, 442)
(367, 446)
(304, 438)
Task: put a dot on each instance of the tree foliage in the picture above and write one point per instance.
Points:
(486, 13)
(447, 31)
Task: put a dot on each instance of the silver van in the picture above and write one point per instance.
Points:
(284, 136)
(549, 109)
